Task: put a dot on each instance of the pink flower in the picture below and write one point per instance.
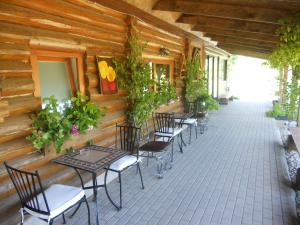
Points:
(74, 130)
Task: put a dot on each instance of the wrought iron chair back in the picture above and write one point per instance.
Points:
(164, 123)
(189, 107)
(28, 186)
(127, 138)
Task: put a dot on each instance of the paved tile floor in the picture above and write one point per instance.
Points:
(233, 174)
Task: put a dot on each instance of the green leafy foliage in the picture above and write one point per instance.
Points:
(165, 92)
(207, 102)
(134, 75)
(288, 54)
(53, 124)
(83, 113)
(277, 110)
(195, 83)
(50, 126)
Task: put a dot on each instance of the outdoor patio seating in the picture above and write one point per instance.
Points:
(164, 127)
(128, 141)
(158, 150)
(45, 204)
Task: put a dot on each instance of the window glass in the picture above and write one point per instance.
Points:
(162, 71)
(56, 80)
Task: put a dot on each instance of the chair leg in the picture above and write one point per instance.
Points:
(139, 168)
(78, 206)
(22, 216)
(88, 209)
(50, 222)
(172, 151)
(106, 190)
(190, 140)
(64, 219)
(120, 180)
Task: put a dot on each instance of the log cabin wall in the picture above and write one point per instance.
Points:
(70, 25)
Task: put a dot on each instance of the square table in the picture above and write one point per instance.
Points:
(91, 159)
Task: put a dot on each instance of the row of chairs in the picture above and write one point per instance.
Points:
(48, 204)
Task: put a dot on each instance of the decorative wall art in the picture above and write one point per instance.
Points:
(107, 75)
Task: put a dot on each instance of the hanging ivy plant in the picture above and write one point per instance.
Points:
(82, 113)
(134, 75)
(50, 126)
(55, 124)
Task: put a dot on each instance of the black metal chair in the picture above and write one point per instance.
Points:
(189, 107)
(165, 128)
(201, 115)
(155, 149)
(128, 141)
(45, 204)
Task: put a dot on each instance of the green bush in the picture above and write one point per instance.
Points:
(276, 111)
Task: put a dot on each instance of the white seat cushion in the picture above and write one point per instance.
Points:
(123, 162)
(59, 197)
(189, 121)
(172, 132)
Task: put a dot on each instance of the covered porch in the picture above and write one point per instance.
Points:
(110, 62)
(233, 174)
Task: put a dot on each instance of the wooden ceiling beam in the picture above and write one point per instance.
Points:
(289, 5)
(234, 11)
(240, 28)
(246, 52)
(216, 35)
(226, 23)
(262, 43)
(244, 47)
(236, 33)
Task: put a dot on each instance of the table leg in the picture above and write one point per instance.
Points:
(95, 196)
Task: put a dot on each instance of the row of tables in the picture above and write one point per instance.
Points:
(93, 159)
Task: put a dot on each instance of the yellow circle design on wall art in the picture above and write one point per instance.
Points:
(103, 69)
(111, 76)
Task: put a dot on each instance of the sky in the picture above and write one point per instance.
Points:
(252, 81)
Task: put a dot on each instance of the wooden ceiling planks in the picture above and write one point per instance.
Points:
(244, 25)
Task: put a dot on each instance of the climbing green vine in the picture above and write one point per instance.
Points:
(195, 83)
(288, 54)
(134, 75)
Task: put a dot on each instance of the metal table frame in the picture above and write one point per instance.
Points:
(91, 167)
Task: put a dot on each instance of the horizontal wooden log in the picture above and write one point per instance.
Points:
(162, 36)
(75, 13)
(16, 86)
(223, 10)
(14, 66)
(4, 110)
(14, 149)
(41, 20)
(23, 104)
(12, 74)
(149, 38)
(92, 80)
(96, 97)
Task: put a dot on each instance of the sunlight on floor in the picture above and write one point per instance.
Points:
(251, 80)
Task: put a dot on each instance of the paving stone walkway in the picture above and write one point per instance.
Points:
(233, 174)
